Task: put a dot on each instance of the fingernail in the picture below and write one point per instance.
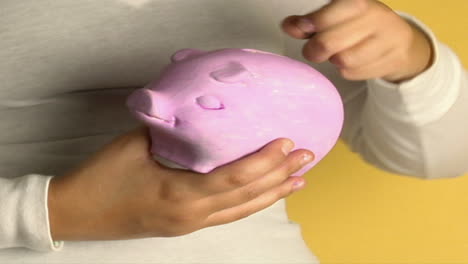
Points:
(298, 185)
(306, 158)
(287, 147)
(305, 25)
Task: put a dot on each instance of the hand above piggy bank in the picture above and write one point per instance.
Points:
(210, 108)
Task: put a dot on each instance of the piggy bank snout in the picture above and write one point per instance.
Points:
(149, 103)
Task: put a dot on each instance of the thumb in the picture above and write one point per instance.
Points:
(135, 142)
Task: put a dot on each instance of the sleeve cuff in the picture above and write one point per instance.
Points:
(426, 97)
(53, 245)
(24, 213)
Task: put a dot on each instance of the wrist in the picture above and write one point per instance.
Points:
(53, 204)
(66, 217)
(419, 58)
(75, 214)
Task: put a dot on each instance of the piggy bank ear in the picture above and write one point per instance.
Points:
(185, 54)
(232, 72)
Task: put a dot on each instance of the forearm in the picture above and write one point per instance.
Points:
(417, 127)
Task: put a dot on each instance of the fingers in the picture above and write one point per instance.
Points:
(334, 13)
(294, 162)
(370, 70)
(248, 169)
(265, 200)
(336, 39)
(336, 27)
(365, 38)
(363, 53)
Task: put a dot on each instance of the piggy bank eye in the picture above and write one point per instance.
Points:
(209, 102)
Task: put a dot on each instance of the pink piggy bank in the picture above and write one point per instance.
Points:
(210, 108)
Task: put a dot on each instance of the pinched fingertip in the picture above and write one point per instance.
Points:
(290, 27)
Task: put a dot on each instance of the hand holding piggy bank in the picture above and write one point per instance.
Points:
(211, 108)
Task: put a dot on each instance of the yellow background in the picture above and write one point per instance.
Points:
(351, 212)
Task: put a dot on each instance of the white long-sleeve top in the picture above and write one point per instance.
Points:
(67, 66)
